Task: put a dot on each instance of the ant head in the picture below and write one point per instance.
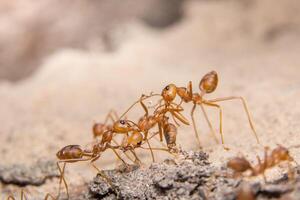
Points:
(209, 82)
(121, 126)
(169, 92)
(239, 164)
(282, 153)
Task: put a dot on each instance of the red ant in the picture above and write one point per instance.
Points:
(207, 85)
(74, 153)
(280, 154)
(147, 122)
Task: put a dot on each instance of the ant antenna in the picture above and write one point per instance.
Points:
(142, 98)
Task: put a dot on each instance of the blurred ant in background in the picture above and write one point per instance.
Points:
(280, 154)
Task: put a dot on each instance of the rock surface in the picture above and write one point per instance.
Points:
(188, 177)
(36, 174)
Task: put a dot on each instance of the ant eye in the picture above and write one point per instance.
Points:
(167, 87)
(122, 122)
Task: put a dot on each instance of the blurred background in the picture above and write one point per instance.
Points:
(65, 64)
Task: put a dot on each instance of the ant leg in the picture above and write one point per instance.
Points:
(175, 120)
(245, 108)
(161, 149)
(100, 172)
(48, 195)
(62, 178)
(180, 117)
(119, 156)
(179, 105)
(137, 160)
(136, 102)
(208, 122)
(110, 115)
(115, 142)
(190, 89)
(23, 196)
(144, 106)
(11, 197)
(221, 126)
(160, 132)
(115, 114)
(262, 168)
(195, 127)
(152, 154)
(160, 128)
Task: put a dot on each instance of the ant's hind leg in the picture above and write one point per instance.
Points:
(62, 179)
(245, 108)
(100, 172)
(221, 126)
(48, 195)
(194, 126)
(208, 122)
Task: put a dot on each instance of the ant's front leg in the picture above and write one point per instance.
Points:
(144, 106)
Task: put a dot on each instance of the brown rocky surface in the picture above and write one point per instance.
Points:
(253, 45)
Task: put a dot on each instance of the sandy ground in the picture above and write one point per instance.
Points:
(58, 104)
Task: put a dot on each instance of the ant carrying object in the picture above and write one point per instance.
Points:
(207, 85)
(280, 154)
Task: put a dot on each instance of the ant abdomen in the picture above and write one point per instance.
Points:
(70, 152)
(239, 164)
(170, 133)
(209, 82)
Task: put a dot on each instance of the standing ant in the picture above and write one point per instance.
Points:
(280, 154)
(207, 85)
(74, 153)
